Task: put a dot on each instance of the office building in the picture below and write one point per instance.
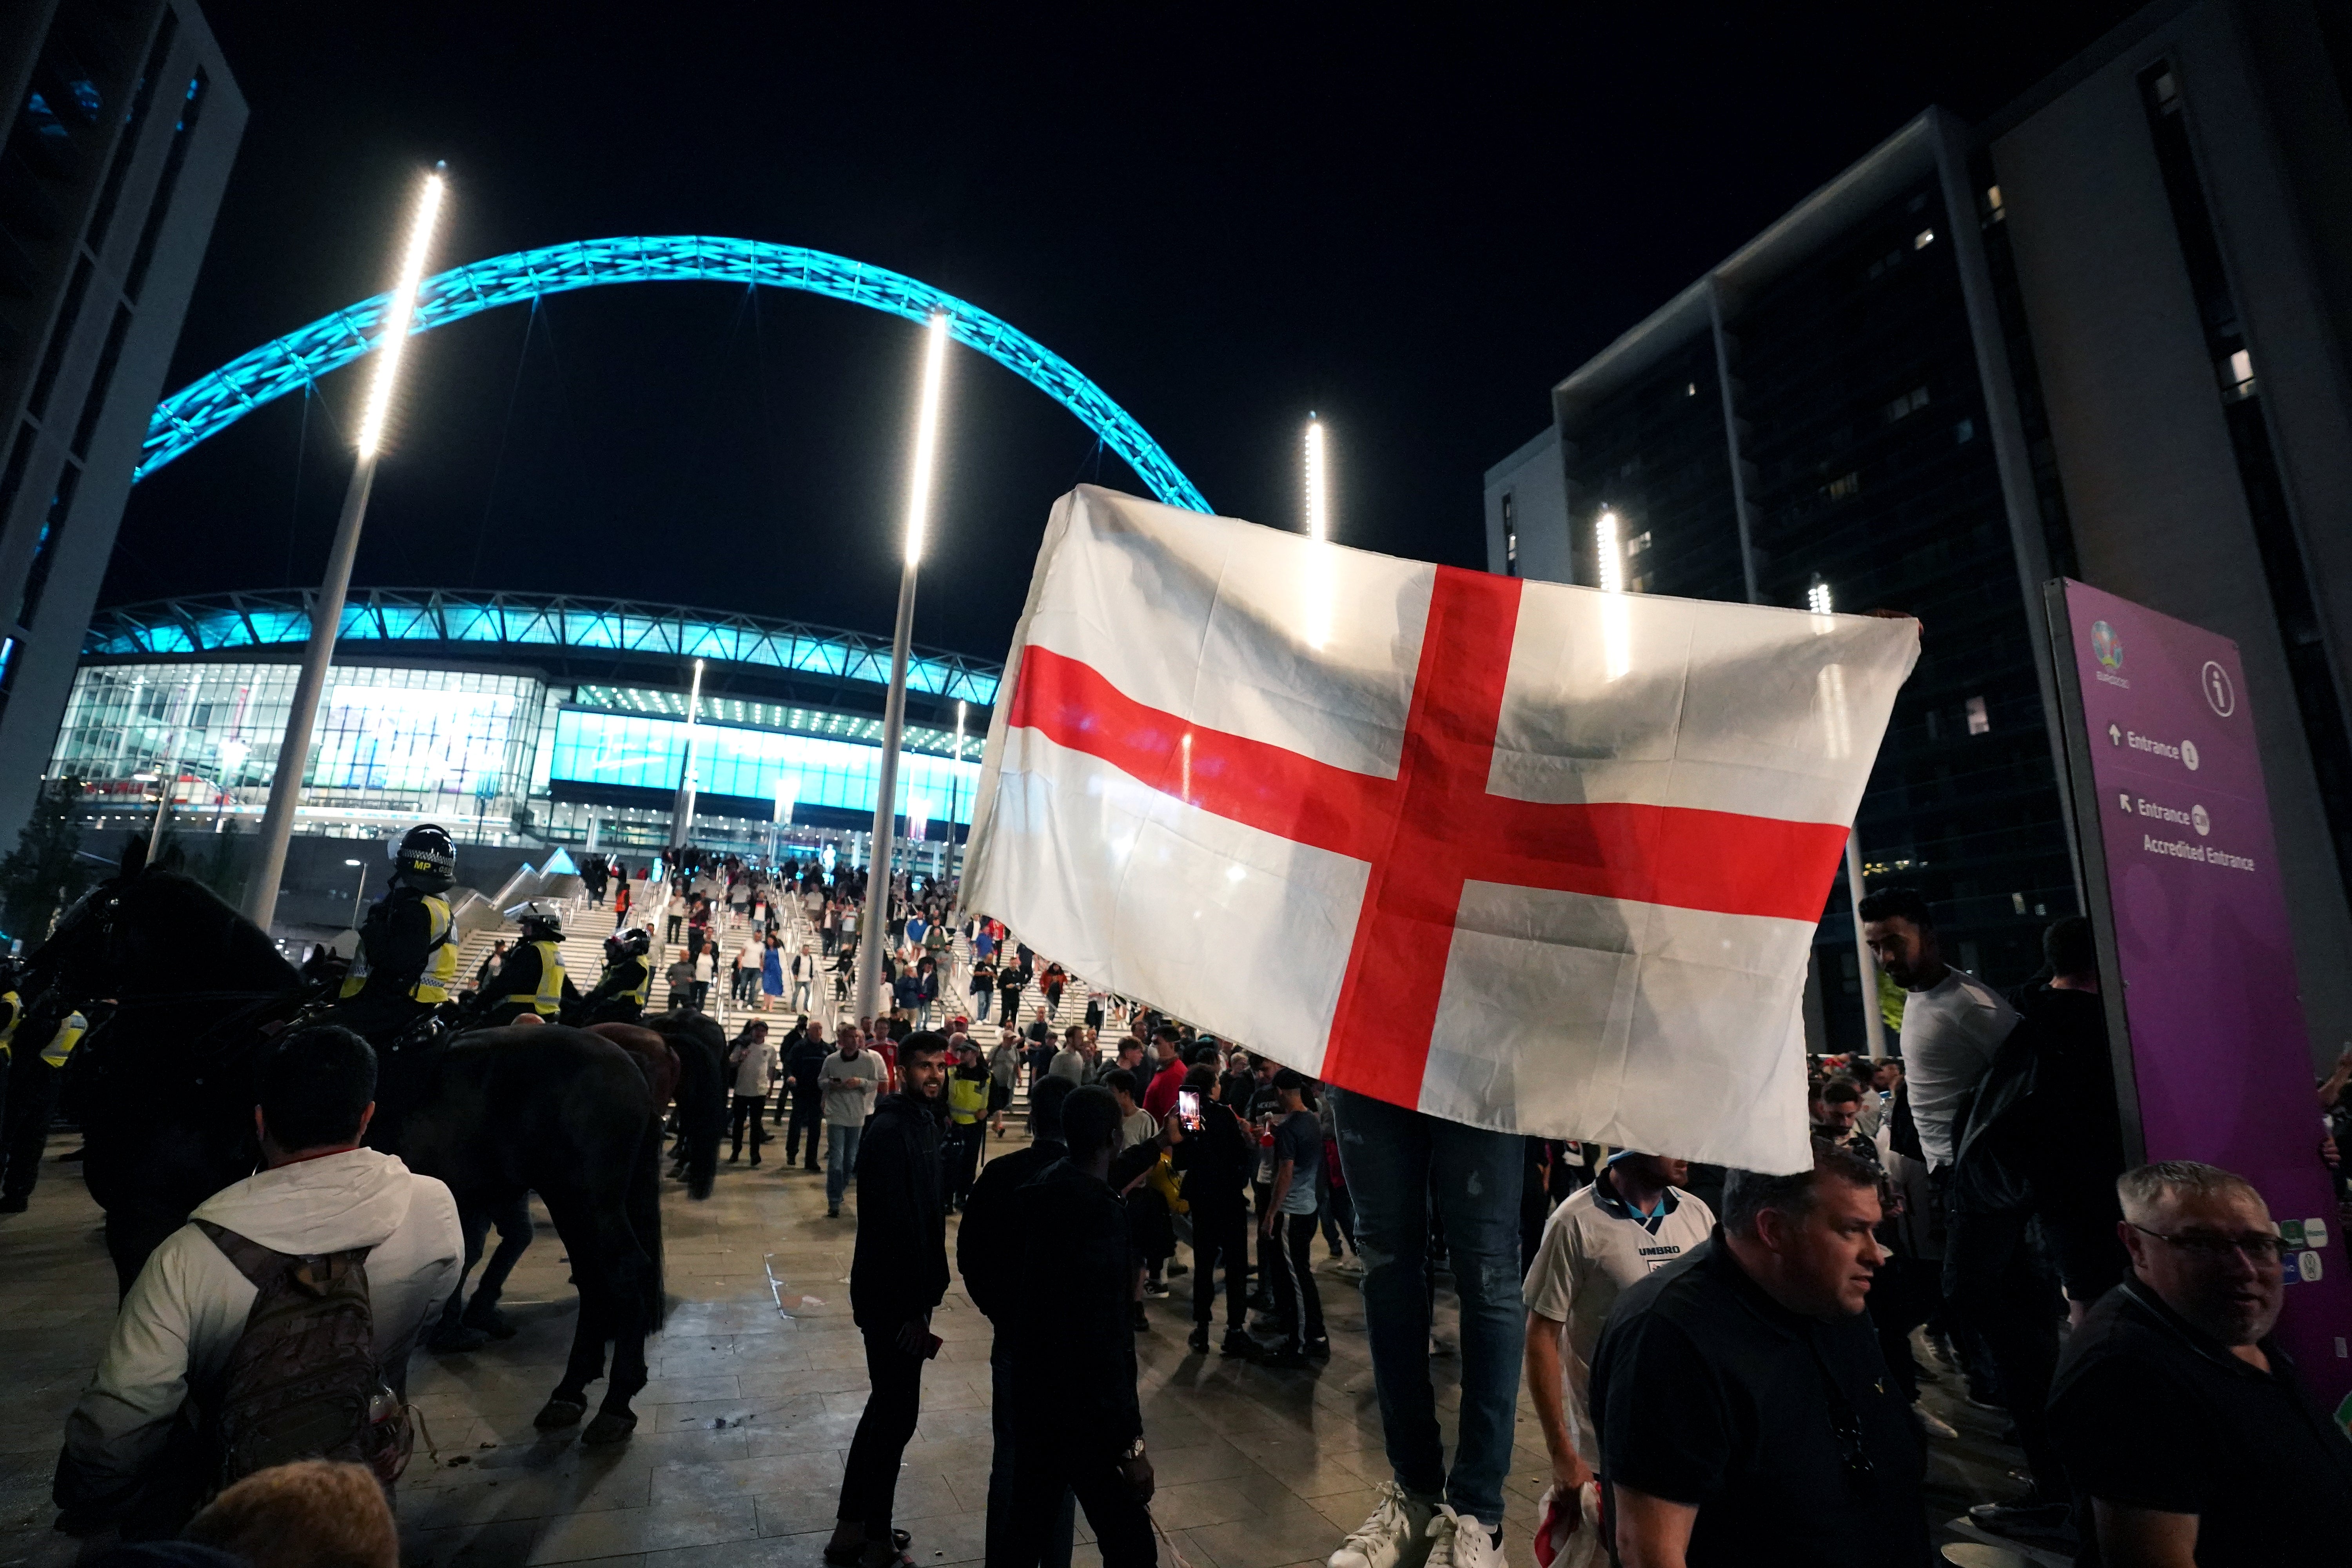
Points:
(125, 124)
(2102, 335)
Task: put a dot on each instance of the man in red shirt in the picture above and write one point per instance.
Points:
(1167, 1074)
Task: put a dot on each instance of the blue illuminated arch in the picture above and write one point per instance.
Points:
(211, 404)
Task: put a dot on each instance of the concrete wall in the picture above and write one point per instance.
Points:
(2145, 457)
(1536, 478)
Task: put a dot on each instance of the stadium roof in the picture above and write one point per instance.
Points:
(453, 620)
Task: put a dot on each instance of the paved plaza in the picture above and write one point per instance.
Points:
(758, 1381)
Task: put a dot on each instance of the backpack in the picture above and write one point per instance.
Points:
(302, 1381)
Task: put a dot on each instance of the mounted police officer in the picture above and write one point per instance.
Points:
(628, 979)
(407, 961)
(531, 980)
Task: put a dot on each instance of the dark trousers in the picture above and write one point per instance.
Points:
(870, 1479)
(963, 1158)
(808, 1116)
(1047, 1543)
(1120, 1520)
(1993, 1281)
(1291, 1255)
(747, 1109)
(1220, 1237)
(32, 1092)
(1262, 1192)
(1340, 1218)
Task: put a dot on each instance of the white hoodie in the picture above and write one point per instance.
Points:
(189, 1304)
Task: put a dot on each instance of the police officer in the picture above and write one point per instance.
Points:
(531, 980)
(37, 1055)
(628, 979)
(407, 961)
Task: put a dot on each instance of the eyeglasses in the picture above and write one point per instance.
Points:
(2262, 1251)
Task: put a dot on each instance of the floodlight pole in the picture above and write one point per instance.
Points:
(871, 938)
(327, 613)
(955, 792)
(1873, 1022)
(682, 803)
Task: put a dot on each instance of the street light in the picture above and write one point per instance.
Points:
(894, 711)
(326, 619)
(955, 790)
(682, 804)
(358, 894)
(1821, 602)
(1320, 588)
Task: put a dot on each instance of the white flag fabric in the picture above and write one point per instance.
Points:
(1528, 857)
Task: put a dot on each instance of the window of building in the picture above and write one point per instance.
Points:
(1844, 485)
(1909, 403)
(1923, 239)
(1964, 432)
(1694, 390)
(1638, 543)
(1510, 539)
(1994, 212)
(1980, 719)
(2238, 374)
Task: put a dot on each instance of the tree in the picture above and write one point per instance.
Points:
(47, 871)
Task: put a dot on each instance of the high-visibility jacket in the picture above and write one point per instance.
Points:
(405, 932)
(967, 1096)
(630, 980)
(69, 1035)
(547, 1000)
(13, 1007)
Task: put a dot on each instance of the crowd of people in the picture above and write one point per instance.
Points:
(1725, 1365)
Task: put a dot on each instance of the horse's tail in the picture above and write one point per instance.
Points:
(644, 1207)
(701, 1095)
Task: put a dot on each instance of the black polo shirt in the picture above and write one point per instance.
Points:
(2149, 1411)
(1709, 1392)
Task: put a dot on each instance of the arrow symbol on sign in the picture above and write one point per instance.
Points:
(2115, 736)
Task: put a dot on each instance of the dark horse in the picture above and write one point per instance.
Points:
(165, 1090)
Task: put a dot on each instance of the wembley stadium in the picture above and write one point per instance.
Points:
(521, 721)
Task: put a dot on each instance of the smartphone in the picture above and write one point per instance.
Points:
(1188, 1110)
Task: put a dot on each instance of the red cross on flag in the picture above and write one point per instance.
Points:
(1528, 857)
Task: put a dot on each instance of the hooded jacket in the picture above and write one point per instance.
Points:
(185, 1311)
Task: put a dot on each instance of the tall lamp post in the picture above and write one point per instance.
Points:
(327, 615)
(955, 793)
(682, 808)
(871, 942)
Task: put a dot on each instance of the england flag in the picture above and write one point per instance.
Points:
(1528, 857)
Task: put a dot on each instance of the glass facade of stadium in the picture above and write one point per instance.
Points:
(497, 734)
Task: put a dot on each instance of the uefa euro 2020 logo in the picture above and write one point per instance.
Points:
(2108, 647)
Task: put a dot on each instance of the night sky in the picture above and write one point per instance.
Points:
(1414, 227)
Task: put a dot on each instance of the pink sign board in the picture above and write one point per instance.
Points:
(2219, 1066)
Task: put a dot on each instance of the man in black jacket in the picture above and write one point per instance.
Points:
(896, 1276)
(803, 1060)
(1076, 1276)
(988, 1255)
(1218, 1161)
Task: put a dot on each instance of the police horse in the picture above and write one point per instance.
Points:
(164, 1093)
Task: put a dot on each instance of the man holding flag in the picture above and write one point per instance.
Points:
(1536, 859)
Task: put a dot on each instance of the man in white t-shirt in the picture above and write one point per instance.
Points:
(1952, 1025)
(1952, 1022)
(1634, 1217)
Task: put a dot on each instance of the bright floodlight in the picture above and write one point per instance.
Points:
(1319, 486)
(1611, 557)
(403, 312)
(1817, 597)
(927, 427)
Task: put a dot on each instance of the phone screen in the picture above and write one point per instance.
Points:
(1188, 1109)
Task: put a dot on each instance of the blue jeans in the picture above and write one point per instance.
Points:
(1003, 1537)
(1397, 1164)
(840, 1158)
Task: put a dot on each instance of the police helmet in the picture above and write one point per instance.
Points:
(542, 920)
(427, 860)
(636, 941)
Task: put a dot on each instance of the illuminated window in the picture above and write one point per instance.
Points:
(1844, 485)
(1907, 405)
(1923, 239)
(1979, 721)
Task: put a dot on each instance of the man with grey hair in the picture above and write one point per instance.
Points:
(1742, 1403)
(2187, 1435)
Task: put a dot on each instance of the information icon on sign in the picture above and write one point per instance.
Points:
(2221, 693)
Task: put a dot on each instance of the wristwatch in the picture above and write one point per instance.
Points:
(1134, 1452)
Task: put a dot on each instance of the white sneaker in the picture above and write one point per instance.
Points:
(1395, 1536)
(1458, 1540)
